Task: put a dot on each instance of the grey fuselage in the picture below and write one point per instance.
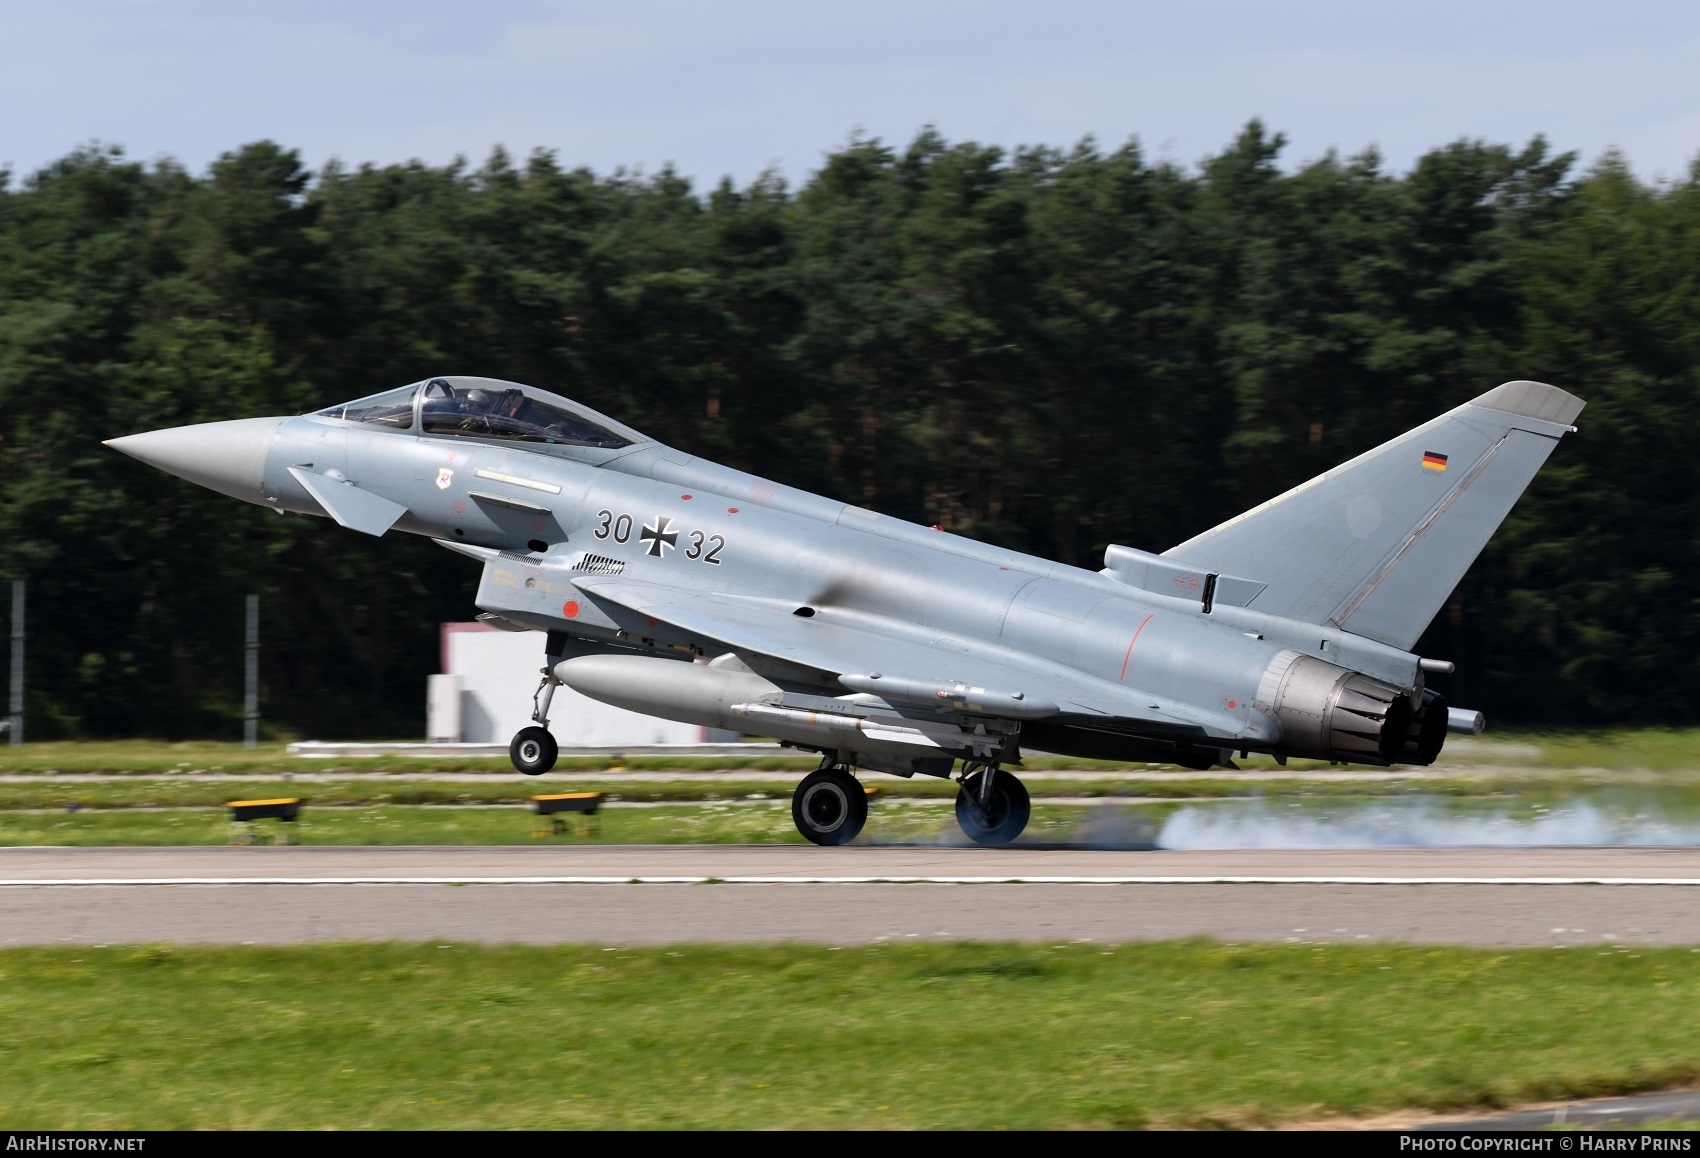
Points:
(1144, 674)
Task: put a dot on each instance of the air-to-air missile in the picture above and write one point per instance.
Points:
(668, 584)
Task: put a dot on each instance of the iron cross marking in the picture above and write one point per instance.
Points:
(657, 538)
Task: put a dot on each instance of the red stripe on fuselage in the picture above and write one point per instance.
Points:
(1130, 644)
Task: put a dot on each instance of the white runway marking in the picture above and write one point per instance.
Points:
(651, 895)
(56, 882)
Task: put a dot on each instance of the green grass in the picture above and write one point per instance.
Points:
(108, 794)
(1623, 749)
(153, 758)
(156, 757)
(140, 793)
(915, 1035)
(762, 823)
(188, 791)
(1650, 749)
(1627, 814)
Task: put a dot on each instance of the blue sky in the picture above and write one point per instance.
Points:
(738, 86)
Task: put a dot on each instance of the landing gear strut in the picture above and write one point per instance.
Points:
(992, 806)
(533, 750)
(830, 806)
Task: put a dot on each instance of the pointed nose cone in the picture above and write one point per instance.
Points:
(228, 457)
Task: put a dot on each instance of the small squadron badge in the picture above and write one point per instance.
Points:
(445, 476)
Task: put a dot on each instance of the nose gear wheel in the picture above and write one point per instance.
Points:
(533, 750)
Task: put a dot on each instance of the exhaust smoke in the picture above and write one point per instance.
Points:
(1621, 820)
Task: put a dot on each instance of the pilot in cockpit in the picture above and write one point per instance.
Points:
(478, 411)
(445, 409)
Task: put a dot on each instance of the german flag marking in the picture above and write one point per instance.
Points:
(1433, 460)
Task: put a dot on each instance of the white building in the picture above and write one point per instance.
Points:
(484, 697)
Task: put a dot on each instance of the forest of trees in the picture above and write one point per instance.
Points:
(1049, 349)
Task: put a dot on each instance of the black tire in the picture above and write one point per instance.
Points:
(533, 750)
(829, 806)
(1005, 814)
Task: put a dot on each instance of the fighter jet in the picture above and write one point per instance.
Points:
(670, 585)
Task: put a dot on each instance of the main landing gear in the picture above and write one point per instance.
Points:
(992, 806)
(533, 750)
(830, 806)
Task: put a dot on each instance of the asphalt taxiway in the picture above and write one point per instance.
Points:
(632, 895)
(1597, 1114)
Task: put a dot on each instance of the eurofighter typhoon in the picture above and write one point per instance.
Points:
(667, 584)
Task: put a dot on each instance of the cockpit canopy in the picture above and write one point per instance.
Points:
(487, 408)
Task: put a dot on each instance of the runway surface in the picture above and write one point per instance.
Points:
(858, 895)
(1597, 1114)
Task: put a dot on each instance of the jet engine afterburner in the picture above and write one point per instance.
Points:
(1329, 712)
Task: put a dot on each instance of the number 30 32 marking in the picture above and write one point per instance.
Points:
(704, 547)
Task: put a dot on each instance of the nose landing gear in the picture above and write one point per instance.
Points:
(533, 750)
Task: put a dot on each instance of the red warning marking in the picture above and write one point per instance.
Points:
(1130, 644)
(570, 609)
(731, 510)
(1232, 705)
(652, 623)
(687, 498)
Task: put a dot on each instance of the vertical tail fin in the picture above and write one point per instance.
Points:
(1376, 545)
